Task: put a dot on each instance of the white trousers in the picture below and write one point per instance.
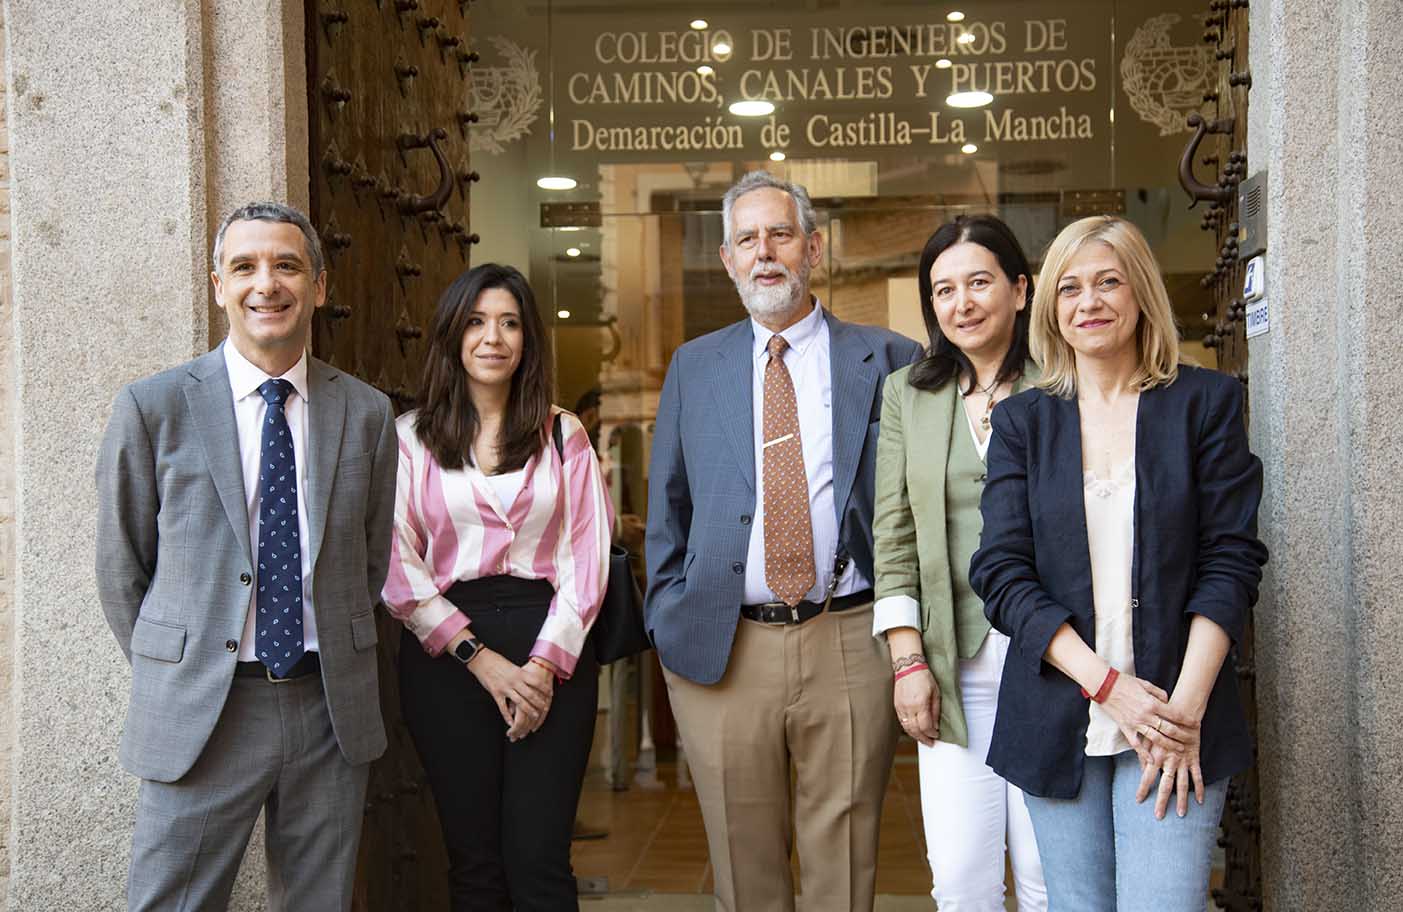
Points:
(971, 814)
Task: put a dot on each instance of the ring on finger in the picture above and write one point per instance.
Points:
(1158, 720)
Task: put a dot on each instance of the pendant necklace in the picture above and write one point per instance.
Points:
(985, 420)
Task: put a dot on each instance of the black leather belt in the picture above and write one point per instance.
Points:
(780, 613)
(310, 663)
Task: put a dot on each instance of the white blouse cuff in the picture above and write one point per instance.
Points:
(895, 611)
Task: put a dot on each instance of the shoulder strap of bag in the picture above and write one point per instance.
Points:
(558, 436)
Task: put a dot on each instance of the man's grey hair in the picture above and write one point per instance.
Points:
(759, 180)
(272, 212)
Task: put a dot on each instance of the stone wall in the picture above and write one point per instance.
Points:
(125, 151)
(1327, 420)
(7, 486)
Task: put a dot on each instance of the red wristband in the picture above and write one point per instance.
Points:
(1106, 686)
(909, 670)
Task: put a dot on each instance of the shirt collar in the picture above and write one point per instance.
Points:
(245, 377)
(799, 336)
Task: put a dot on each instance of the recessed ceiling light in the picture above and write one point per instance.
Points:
(569, 228)
(699, 24)
(572, 251)
(955, 16)
(705, 70)
(969, 148)
(556, 183)
(756, 108)
(966, 38)
(969, 99)
(563, 314)
(721, 49)
(776, 156)
(943, 63)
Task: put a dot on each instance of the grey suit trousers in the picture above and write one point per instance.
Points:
(272, 750)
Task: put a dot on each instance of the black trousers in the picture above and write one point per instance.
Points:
(506, 809)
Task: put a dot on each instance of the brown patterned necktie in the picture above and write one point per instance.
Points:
(789, 534)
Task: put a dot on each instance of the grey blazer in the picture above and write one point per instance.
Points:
(174, 561)
(701, 482)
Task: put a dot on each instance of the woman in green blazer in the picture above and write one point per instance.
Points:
(976, 291)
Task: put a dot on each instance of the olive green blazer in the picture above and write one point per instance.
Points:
(910, 527)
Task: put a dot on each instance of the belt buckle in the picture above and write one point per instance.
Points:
(767, 611)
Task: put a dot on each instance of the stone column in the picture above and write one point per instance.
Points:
(7, 486)
(133, 126)
(1326, 386)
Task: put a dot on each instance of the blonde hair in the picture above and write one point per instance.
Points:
(1156, 335)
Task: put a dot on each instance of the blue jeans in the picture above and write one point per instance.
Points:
(1102, 852)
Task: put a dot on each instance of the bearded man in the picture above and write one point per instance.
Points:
(759, 553)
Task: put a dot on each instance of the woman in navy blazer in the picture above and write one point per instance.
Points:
(1120, 554)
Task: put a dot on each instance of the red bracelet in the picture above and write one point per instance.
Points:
(540, 662)
(909, 670)
(1106, 686)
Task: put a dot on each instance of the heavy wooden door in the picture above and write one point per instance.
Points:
(1219, 148)
(388, 89)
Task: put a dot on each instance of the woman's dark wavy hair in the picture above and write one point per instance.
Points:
(943, 360)
(447, 421)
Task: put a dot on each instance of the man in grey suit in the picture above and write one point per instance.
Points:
(245, 506)
(759, 550)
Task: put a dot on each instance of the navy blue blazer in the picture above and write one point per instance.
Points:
(1197, 487)
(701, 481)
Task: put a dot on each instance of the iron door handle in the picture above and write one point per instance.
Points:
(1197, 191)
(413, 205)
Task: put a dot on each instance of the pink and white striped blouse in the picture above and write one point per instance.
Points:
(450, 527)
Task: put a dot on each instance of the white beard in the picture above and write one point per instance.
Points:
(764, 302)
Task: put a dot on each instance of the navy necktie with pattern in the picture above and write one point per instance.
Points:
(279, 601)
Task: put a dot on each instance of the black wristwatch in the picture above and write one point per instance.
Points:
(467, 650)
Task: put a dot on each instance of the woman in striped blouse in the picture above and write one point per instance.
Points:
(499, 564)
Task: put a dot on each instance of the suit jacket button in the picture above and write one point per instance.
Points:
(231, 645)
(245, 578)
(745, 519)
(738, 567)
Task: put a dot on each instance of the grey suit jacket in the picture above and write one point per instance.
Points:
(701, 483)
(174, 561)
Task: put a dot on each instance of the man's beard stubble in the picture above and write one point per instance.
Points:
(763, 302)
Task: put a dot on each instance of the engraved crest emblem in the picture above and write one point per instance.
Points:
(506, 98)
(1165, 82)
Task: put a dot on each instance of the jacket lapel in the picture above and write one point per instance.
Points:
(327, 407)
(734, 391)
(854, 385)
(211, 402)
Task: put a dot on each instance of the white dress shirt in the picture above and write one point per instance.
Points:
(249, 410)
(811, 371)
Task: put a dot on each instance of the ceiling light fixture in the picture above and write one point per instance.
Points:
(969, 99)
(563, 314)
(556, 182)
(756, 108)
(777, 156)
(699, 24)
(572, 251)
(943, 63)
(966, 38)
(721, 49)
(969, 148)
(705, 70)
(955, 16)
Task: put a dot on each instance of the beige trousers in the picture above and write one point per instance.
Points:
(817, 695)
